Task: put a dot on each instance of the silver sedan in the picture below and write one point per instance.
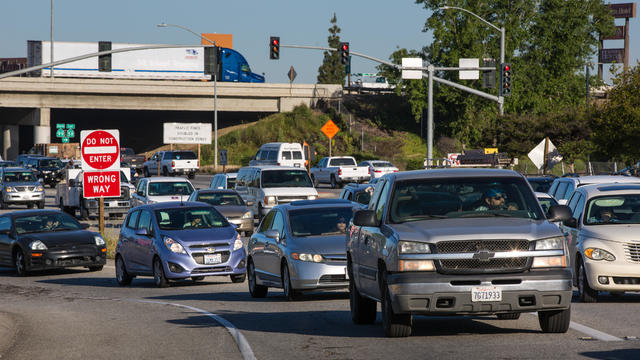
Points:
(300, 246)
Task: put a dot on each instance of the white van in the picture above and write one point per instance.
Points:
(279, 154)
(268, 186)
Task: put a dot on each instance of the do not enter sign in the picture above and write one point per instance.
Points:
(100, 149)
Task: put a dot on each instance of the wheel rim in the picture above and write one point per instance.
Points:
(19, 262)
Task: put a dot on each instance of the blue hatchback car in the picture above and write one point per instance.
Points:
(178, 240)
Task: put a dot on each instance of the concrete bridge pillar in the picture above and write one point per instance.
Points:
(42, 126)
(10, 135)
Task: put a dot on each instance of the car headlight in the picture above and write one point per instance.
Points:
(308, 257)
(238, 243)
(247, 215)
(39, 188)
(9, 189)
(99, 240)
(555, 243)
(599, 254)
(269, 200)
(312, 197)
(37, 245)
(413, 247)
(174, 246)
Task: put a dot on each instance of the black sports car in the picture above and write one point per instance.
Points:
(48, 239)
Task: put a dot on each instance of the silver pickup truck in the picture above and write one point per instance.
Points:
(457, 242)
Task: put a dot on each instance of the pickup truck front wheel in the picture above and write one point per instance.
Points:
(556, 321)
(363, 310)
(395, 325)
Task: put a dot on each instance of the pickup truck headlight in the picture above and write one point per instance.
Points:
(9, 189)
(174, 246)
(312, 197)
(247, 215)
(555, 243)
(599, 254)
(308, 257)
(413, 247)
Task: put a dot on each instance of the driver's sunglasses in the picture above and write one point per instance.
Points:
(498, 197)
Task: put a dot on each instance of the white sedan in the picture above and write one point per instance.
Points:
(377, 168)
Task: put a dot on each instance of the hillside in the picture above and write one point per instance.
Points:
(357, 137)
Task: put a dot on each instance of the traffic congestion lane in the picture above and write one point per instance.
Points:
(319, 325)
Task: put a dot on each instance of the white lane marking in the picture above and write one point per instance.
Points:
(241, 341)
(593, 332)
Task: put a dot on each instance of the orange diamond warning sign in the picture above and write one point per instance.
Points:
(330, 129)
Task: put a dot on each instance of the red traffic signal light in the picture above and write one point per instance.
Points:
(274, 48)
(344, 53)
(505, 79)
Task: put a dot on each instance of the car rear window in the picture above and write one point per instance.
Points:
(342, 162)
(183, 155)
(221, 199)
(170, 188)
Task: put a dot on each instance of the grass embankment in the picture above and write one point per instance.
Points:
(110, 236)
(303, 124)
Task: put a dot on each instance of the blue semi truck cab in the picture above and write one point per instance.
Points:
(234, 67)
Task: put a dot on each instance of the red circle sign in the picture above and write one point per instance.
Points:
(100, 150)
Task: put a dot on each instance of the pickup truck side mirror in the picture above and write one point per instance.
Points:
(365, 218)
(560, 213)
(572, 223)
(140, 192)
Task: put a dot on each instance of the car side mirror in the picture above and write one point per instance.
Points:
(273, 234)
(559, 213)
(84, 225)
(365, 218)
(249, 203)
(572, 223)
(143, 232)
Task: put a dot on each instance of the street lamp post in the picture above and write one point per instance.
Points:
(215, 94)
(500, 29)
(51, 58)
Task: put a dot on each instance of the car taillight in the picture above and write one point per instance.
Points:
(197, 163)
(278, 164)
(173, 164)
(395, 170)
(339, 172)
(378, 171)
(369, 170)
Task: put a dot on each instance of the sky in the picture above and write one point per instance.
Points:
(375, 28)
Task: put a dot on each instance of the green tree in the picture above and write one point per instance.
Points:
(332, 71)
(616, 124)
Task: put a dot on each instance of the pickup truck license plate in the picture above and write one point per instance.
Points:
(212, 259)
(486, 293)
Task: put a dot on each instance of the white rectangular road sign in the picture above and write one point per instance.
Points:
(187, 133)
(412, 74)
(469, 74)
(100, 150)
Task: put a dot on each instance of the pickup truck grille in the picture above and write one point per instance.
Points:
(288, 199)
(469, 266)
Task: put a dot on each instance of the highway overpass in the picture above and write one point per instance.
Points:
(26, 103)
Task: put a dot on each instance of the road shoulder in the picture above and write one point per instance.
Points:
(8, 331)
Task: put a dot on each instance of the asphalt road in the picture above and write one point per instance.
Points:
(77, 314)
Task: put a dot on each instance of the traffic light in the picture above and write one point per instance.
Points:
(344, 53)
(505, 79)
(104, 61)
(274, 48)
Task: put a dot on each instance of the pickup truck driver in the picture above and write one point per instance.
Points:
(494, 199)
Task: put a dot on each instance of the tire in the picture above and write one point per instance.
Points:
(256, 291)
(3, 204)
(315, 181)
(165, 172)
(556, 321)
(159, 278)
(289, 292)
(334, 183)
(96, 268)
(20, 263)
(84, 212)
(585, 292)
(260, 216)
(239, 278)
(363, 310)
(146, 172)
(508, 316)
(122, 276)
(395, 325)
(30, 206)
(41, 205)
(191, 175)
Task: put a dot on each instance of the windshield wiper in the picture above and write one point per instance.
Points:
(422, 217)
(486, 214)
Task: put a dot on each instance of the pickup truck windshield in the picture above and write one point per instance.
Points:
(285, 178)
(468, 197)
(127, 151)
(321, 221)
(342, 162)
(50, 163)
(170, 188)
(190, 218)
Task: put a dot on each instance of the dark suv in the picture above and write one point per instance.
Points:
(457, 242)
(49, 169)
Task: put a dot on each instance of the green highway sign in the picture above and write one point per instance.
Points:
(60, 133)
(71, 133)
(65, 134)
(65, 139)
(71, 126)
(59, 126)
